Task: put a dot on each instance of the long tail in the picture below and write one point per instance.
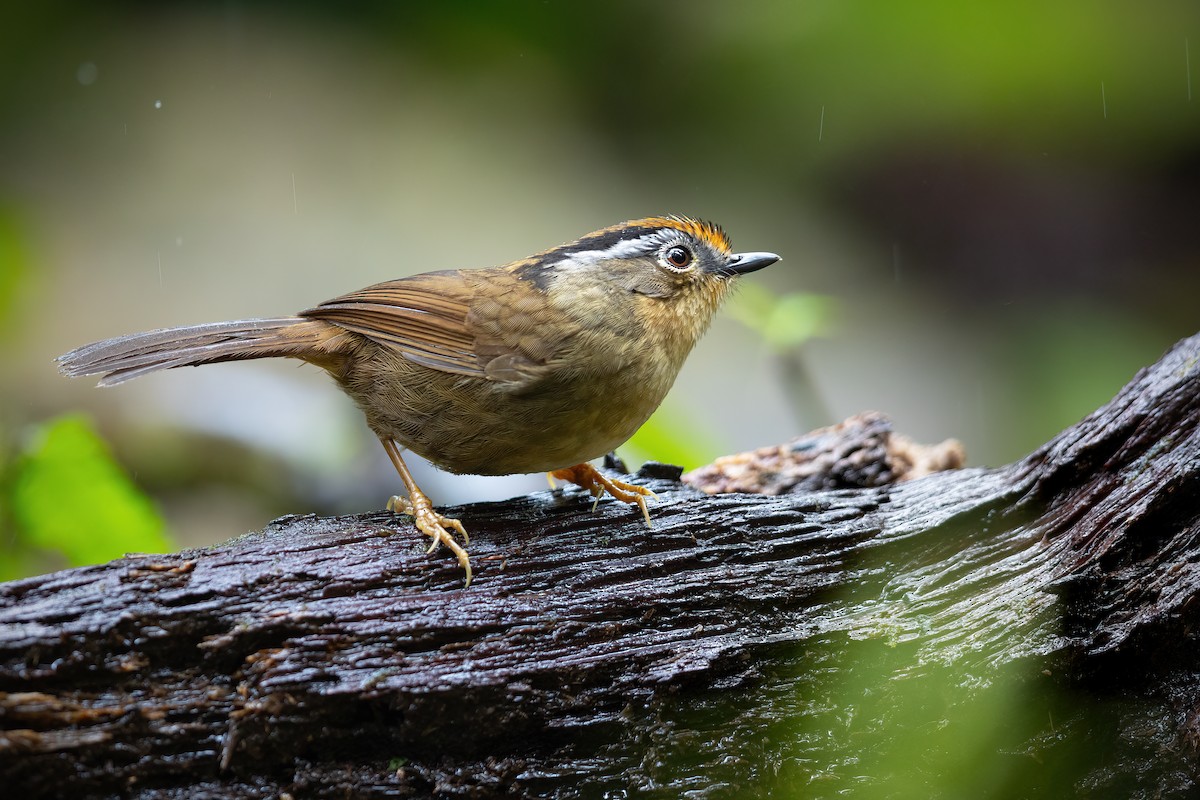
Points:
(127, 357)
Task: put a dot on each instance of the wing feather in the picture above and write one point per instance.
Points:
(423, 316)
(478, 323)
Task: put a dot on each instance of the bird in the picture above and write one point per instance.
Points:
(540, 365)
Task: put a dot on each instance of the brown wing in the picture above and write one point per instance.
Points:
(424, 317)
(473, 322)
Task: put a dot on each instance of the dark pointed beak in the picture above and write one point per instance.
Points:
(741, 263)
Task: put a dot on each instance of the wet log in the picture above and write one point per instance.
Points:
(1029, 629)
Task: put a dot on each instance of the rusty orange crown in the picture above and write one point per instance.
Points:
(705, 231)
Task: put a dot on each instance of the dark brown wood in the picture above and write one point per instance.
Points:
(747, 644)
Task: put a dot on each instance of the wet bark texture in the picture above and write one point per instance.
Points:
(332, 657)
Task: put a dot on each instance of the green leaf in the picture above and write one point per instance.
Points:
(69, 495)
(671, 437)
(784, 322)
(13, 266)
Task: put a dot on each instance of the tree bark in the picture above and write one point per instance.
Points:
(1035, 622)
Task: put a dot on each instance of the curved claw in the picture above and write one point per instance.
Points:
(418, 506)
(588, 477)
(434, 525)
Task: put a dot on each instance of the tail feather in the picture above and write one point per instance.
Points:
(128, 357)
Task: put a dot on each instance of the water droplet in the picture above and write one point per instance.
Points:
(87, 73)
(158, 103)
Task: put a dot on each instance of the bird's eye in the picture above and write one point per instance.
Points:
(678, 257)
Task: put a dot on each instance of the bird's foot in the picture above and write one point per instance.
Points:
(588, 477)
(434, 525)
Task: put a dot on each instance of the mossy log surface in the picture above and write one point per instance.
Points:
(717, 654)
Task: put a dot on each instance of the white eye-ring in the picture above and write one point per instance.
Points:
(677, 258)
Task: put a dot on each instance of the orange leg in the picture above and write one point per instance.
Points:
(588, 477)
(419, 507)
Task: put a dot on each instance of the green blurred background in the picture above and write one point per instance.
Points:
(987, 211)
